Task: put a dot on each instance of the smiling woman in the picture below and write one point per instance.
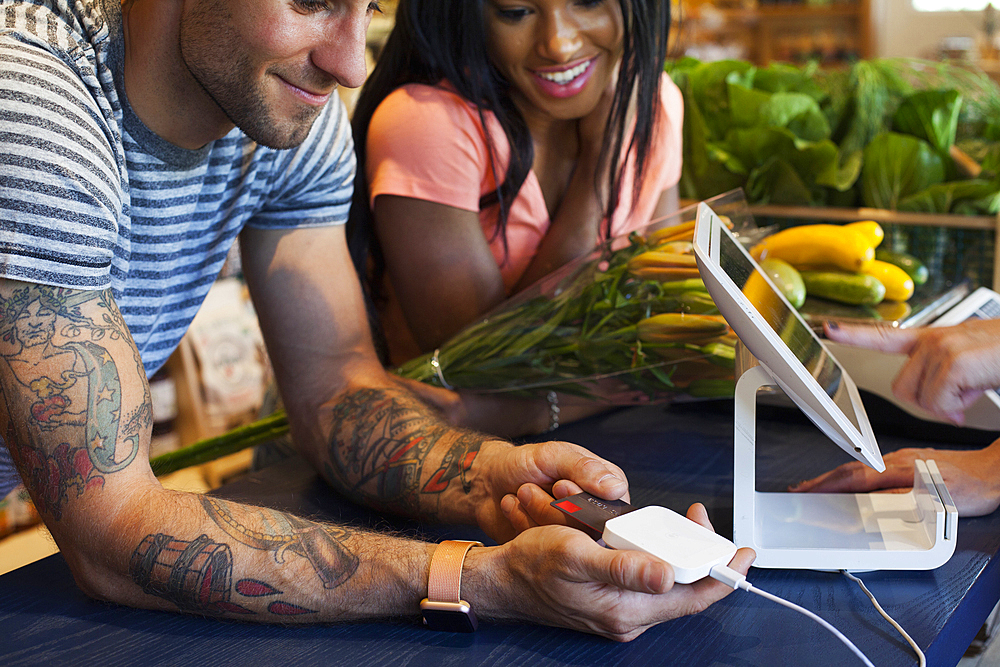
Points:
(559, 57)
(550, 126)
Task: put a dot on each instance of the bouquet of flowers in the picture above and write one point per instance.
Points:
(630, 323)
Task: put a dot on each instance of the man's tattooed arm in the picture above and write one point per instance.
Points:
(197, 575)
(259, 564)
(66, 416)
(75, 414)
(387, 449)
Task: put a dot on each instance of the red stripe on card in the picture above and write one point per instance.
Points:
(567, 506)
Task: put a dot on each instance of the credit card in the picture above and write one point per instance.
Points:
(591, 511)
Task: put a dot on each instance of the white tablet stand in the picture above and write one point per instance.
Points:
(832, 531)
(852, 531)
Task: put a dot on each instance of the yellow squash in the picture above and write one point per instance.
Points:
(898, 283)
(870, 229)
(657, 258)
(819, 244)
(663, 266)
(681, 232)
(676, 247)
(678, 327)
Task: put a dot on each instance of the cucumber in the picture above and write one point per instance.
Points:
(913, 266)
(856, 289)
(787, 279)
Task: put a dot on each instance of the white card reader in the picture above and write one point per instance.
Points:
(691, 549)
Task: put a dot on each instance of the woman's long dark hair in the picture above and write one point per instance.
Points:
(446, 39)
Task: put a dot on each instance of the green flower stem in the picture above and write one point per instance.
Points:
(209, 449)
(564, 339)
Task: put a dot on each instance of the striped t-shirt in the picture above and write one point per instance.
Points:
(91, 199)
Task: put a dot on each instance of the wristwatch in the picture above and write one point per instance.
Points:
(443, 608)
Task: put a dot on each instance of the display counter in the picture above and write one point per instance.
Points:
(673, 456)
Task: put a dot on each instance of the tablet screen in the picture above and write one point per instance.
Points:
(775, 333)
(785, 322)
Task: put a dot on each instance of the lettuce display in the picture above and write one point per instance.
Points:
(882, 133)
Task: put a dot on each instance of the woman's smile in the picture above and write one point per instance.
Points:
(565, 81)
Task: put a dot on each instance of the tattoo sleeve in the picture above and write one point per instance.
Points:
(380, 444)
(285, 534)
(197, 575)
(75, 413)
(65, 421)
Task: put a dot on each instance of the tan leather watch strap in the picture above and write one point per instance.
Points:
(444, 581)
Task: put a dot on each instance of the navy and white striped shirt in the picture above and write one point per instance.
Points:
(90, 198)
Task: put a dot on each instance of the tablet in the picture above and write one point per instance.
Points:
(774, 332)
(982, 304)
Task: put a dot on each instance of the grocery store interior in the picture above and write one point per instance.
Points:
(219, 378)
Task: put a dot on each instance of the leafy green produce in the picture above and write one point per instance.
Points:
(865, 97)
(897, 166)
(784, 78)
(931, 115)
(799, 113)
(982, 197)
(804, 135)
(710, 87)
(777, 182)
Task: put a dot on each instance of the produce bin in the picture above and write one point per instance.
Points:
(967, 252)
(913, 145)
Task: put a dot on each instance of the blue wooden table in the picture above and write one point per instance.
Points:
(673, 456)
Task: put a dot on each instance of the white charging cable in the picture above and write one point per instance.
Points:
(731, 577)
(921, 658)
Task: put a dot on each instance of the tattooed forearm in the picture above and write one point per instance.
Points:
(197, 575)
(456, 463)
(380, 440)
(269, 530)
(63, 392)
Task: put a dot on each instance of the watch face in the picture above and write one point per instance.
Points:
(449, 616)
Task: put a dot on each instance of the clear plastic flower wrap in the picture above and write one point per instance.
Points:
(631, 322)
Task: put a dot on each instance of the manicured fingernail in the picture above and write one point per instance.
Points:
(833, 326)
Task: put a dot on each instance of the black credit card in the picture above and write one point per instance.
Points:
(592, 511)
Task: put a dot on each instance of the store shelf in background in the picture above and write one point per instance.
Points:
(220, 372)
(831, 33)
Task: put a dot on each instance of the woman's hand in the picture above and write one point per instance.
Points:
(948, 367)
(972, 476)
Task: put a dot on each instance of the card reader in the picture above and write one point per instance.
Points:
(691, 549)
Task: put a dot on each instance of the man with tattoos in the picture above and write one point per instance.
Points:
(138, 142)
